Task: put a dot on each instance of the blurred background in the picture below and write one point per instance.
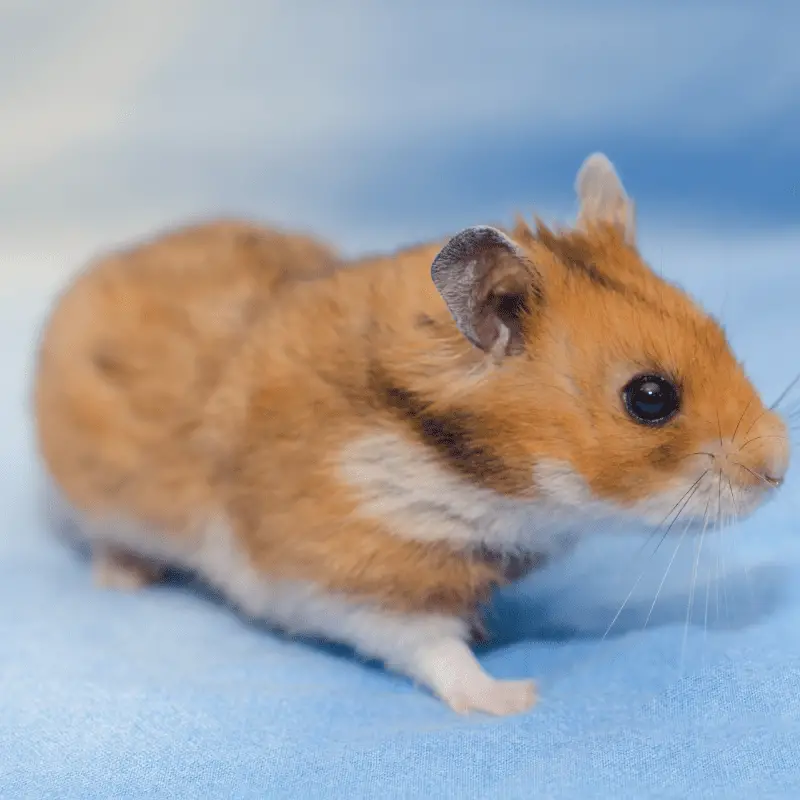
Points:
(376, 124)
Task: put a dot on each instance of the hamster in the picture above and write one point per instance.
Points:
(365, 456)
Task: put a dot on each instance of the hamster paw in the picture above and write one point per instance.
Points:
(112, 569)
(499, 698)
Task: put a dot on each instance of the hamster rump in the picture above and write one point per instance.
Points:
(367, 456)
(132, 354)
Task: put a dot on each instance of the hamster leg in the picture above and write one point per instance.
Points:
(450, 669)
(113, 568)
(430, 649)
(479, 633)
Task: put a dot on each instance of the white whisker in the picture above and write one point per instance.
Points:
(669, 565)
(690, 602)
(751, 594)
(785, 392)
(736, 430)
(720, 526)
(705, 613)
(691, 492)
(687, 496)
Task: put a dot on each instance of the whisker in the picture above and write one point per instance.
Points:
(690, 601)
(715, 565)
(705, 613)
(792, 410)
(669, 513)
(693, 488)
(756, 421)
(720, 558)
(733, 496)
(685, 498)
(719, 427)
(730, 520)
(622, 607)
(750, 593)
(666, 573)
(756, 438)
(754, 474)
(736, 429)
(785, 392)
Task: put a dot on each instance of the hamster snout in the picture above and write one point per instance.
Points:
(756, 458)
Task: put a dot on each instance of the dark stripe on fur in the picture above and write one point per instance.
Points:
(577, 256)
(452, 434)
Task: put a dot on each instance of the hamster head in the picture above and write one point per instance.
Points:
(610, 392)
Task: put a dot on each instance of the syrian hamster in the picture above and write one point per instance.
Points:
(365, 454)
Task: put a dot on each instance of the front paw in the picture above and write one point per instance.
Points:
(490, 696)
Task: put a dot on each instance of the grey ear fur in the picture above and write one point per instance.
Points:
(485, 280)
(602, 197)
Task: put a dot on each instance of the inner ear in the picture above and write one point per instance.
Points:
(602, 197)
(488, 285)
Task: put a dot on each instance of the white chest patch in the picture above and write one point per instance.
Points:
(404, 485)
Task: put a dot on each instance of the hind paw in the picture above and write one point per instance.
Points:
(113, 569)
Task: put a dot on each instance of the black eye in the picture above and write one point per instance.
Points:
(651, 399)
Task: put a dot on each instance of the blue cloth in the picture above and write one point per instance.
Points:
(167, 693)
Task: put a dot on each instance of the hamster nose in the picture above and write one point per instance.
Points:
(766, 449)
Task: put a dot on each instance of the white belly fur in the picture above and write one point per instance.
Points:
(430, 649)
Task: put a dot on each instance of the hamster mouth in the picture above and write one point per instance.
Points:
(711, 497)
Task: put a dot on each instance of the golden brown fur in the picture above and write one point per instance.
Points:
(145, 383)
(137, 344)
(200, 375)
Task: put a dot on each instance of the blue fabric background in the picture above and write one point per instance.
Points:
(167, 693)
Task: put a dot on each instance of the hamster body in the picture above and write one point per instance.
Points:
(366, 455)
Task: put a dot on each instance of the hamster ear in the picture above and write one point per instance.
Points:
(487, 284)
(602, 197)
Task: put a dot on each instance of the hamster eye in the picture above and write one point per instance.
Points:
(651, 399)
